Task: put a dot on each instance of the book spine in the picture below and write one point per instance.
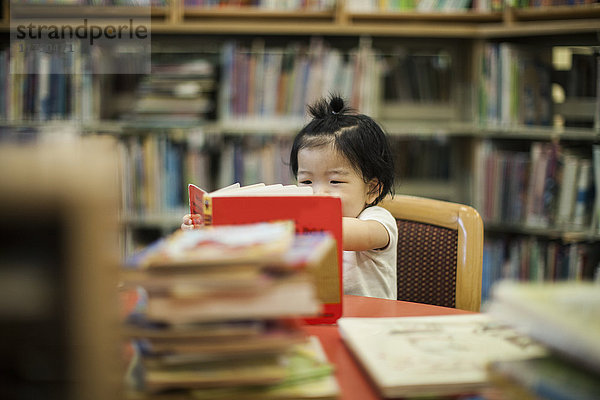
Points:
(596, 162)
(208, 210)
(567, 194)
(597, 113)
(583, 189)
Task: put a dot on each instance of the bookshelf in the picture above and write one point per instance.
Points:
(448, 124)
(174, 17)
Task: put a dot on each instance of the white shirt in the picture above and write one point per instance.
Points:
(372, 273)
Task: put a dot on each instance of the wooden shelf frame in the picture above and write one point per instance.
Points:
(67, 11)
(282, 126)
(546, 133)
(566, 234)
(64, 12)
(583, 11)
(176, 19)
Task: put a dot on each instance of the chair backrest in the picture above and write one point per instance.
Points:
(440, 251)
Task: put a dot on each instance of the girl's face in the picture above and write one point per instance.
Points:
(329, 172)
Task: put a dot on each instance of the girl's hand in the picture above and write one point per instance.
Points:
(192, 221)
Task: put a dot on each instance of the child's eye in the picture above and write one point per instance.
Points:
(336, 182)
(306, 182)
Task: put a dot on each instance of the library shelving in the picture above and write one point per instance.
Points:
(339, 18)
(487, 83)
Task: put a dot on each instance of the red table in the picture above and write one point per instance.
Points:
(354, 384)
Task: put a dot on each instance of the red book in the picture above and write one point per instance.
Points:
(310, 213)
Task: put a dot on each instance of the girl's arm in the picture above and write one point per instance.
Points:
(361, 235)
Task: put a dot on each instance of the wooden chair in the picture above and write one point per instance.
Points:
(440, 250)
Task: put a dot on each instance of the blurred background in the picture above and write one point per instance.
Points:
(489, 103)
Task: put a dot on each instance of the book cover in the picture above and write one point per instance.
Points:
(310, 213)
(434, 355)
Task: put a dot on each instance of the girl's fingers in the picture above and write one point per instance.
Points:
(191, 221)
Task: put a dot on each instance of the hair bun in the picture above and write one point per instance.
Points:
(337, 104)
(321, 109)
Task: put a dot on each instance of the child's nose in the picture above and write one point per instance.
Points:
(320, 189)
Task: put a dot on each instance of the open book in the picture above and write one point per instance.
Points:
(200, 203)
(432, 356)
(237, 204)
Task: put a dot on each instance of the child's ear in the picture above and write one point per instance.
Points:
(374, 190)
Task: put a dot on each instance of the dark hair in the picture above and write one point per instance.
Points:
(357, 136)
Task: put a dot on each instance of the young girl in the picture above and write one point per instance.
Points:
(346, 154)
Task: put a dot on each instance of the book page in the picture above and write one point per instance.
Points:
(267, 190)
(230, 187)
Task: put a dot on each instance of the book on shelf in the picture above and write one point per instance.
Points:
(568, 189)
(564, 316)
(303, 73)
(535, 259)
(219, 312)
(596, 163)
(253, 158)
(583, 193)
(179, 89)
(237, 204)
(542, 188)
(514, 85)
(434, 355)
(575, 190)
(137, 3)
(416, 77)
(269, 5)
(425, 6)
(547, 3)
(47, 86)
(552, 186)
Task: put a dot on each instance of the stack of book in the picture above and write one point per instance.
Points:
(566, 318)
(220, 315)
(178, 90)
